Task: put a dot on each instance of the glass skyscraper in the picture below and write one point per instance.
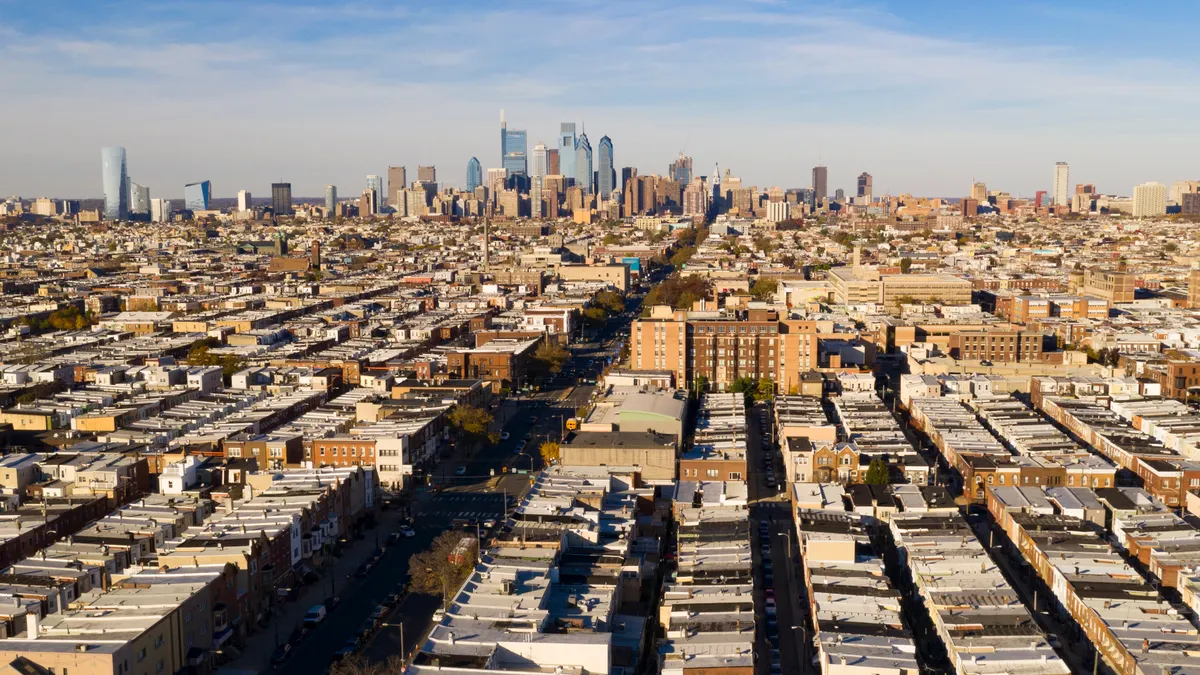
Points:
(115, 179)
(604, 182)
(281, 199)
(583, 164)
(474, 174)
(197, 196)
(566, 149)
(331, 200)
(516, 149)
(376, 183)
(541, 160)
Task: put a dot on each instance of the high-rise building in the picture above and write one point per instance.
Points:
(197, 196)
(820, 182)
(496, 178)
(397, 182)
(553, 165)
(839, 195)
(535, 195)
(331, 198)
(516, 146)
(541, 163)
(474, 174)
(375, 183)
(139, 199)
(979, 192)
(160, 210)
(583, 164)
(1194, 285)
(865, 184)
(1149, 200)
(243, 200)
(1181, 188)
(1062, 184)
(427, 174)
(566, 149)
(605, 176)
(366, 203)
(115, 179)
(281, 199)
(680, 170)
(1191, 204)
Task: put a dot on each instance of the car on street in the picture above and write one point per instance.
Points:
(363, 570)
(393, 538)
(281, 654)
(521, 446)
(315, 615)
(504, 435)
(460, 470)
(489, 523)
(344, 653)
(332, 603)
(392, 599)
(297, 636)
(379, 612)
(406, 531)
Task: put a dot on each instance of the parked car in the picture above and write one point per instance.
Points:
(392, 599)
(393, 538)
(363, 570)
(379, 612)
(332, 603)
(315, 615)
(460, 470)
(281, 654)
(406, 531)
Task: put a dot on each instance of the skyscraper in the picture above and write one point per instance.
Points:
(865, 184)
(516, 146)
(243, 200)
(553, 167)
(541, 160)
(331, 198)
(566, 149)
(979, 192)
(160, 210)
(1062, 174)
(535, 196)
(397, 182)
(427, 174)
(474, 174)
(680, 170)
(820, 183)
(1149, 200)
(281, 199)
(375, 183)
(604, 179)
(115, 180)
(197, 196)
(139, 199)
(583, 164)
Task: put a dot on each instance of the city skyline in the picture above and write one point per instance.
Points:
(1053, 98)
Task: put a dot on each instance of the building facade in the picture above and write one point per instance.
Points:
(115, 179)
(281, 199)
(197, 196)
(474, 174)
(583, 164)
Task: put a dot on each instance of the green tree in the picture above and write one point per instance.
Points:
(878, 473)
(435, 569)
(764, 390)
(611, 301)
(471, 424)
(699, 386)
(764, 288)
(905, 265)
(550, 356)
(1170, 247)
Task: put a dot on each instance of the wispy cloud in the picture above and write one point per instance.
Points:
(328, 91)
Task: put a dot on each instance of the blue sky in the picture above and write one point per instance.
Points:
(923, 95)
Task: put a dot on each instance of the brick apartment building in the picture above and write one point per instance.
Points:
(1000, 345)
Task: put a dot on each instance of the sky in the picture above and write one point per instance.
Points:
(926, 95)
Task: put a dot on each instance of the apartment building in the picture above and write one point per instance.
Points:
(1111, 286)
(997, 345)
(721, 348)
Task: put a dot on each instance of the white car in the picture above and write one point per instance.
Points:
(504, 435)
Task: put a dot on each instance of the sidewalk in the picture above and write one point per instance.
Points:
(256, 656)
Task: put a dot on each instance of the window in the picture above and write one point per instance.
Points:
(158, 641)
(735, 475)
(141, 654)
(845, 461)
(712, 473)
(277, 452)
(991, 479)
(234, 452)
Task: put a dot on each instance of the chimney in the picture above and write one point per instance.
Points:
(33, 625)
(842, 659)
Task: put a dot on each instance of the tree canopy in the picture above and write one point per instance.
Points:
(764, 288)
(435, 569)
(549, 451)
(679, 291)
(550, 357)
(472, 424)
(878, 473)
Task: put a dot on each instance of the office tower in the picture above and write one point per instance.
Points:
(427, 174)
(1149, 200)
(566, 149)
(715, 183)
(366, 203)
(397, 182)
(839, 195)
(680, 170)
(197, 196)
(979, 192)
(583, 164)
(1062, 174)
(496, 178)
(331, 199)
(375, 183)
(865, 185)
(115, 180)
(281, 199)
(139, 199)
(243, 200)
(1179, 189)
(535, 197)
(604, 178)
(474, 174)
(820, 183)
(160, 210)
(541, 162)
(553, 166)
(514, 146)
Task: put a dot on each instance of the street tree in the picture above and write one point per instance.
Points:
(878, 473)
(436, 570)
(549, 451)
(551, 356)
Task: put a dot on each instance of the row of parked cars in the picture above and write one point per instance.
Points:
(770, 608)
